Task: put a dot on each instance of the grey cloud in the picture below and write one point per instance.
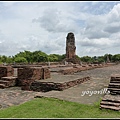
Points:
(49, 20)
(100, 43)
(87, 43)
(114, 14)
(94, 28)
(53, 20)
(101, 26)
(113, 27)
(97, 34)
(8, 48)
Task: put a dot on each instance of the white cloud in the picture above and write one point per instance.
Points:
(54, 20)
(45, 25)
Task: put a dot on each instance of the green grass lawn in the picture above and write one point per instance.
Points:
(55, 108)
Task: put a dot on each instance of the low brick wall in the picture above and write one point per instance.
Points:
(6, 71)
(80, 68)
(48, 86)
(74, 70)
(29, 74)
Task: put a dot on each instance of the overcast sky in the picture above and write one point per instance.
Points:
(44, 26)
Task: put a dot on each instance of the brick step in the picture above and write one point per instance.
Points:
(2, 86)
(113, 89)
(110, 107)
(116, 80)
(110, 103)
(114, 84)
(6, 83)
(115, 92)
(10, 78)
(9, 81)
(111, 100)
(115, 98)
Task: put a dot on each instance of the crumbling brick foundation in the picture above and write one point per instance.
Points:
(47, 86)
(29, 74)
(6, 71)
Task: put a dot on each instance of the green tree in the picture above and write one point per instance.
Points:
(62, 57)
(52, 57)
(86, 59)
(100, 59)
(9, 59)
(20, 60)
(3, 58)
(39, 56)
(109, 56)
(116, 57)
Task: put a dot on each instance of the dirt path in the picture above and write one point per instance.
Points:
(100, 78)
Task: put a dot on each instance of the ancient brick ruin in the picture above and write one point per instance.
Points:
(112, 100)
(34, 77)
(28, 75)
(70, 46)
(29, 78)
(25, 75)
(6, 77)
(48, 86)
(6, 71)
(71, 49)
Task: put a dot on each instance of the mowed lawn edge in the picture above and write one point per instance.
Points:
(55, 108)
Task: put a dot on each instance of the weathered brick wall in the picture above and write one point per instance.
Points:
(74, 70)
(25, 84)
(30, 74)
(80, 68)
(47, 86)
(6, 71)
(45, 73)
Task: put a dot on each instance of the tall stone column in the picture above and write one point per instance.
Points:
(70, 46)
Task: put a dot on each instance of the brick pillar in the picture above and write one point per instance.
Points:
(6, 71)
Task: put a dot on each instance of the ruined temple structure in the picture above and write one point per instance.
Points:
(70, 46)
(108, 60)
(71, 49)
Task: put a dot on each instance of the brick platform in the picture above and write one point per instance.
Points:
(56, 82)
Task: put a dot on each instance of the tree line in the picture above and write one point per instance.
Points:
(39, 56)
